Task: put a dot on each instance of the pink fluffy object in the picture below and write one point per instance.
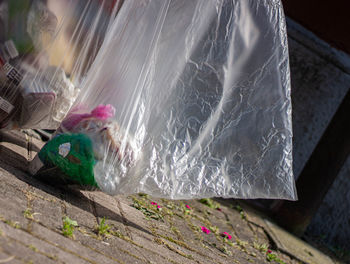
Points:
(101, 112)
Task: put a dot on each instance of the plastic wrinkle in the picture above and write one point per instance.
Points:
(201, 91)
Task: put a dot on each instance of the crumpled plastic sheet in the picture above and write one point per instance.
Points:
(202, 95)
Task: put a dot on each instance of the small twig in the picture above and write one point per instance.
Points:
(7, 260)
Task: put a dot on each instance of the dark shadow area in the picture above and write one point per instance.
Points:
(12, 158)
(17, 138)
(66, 193)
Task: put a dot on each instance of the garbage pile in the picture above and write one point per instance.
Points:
(46, 49)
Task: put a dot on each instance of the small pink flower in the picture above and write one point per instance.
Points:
(227, 235)
(268, 251)
(205, 230)
(153, 203)
(158, 206)
(187, 206)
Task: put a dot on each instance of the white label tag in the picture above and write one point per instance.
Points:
(5, 105)
(11, 49)
(64, 149)
(7, 68)
(12, 73)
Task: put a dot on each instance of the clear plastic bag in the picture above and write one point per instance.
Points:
(46, 49)
(187, 99)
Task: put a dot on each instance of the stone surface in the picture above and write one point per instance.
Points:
(331, 223)
(121, 229)
(18, 148)
(296, 247)
(320, 79)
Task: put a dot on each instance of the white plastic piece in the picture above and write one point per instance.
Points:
(11, 49)
(5, 105)
(64, 149)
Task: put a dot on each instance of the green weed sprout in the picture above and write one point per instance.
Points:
(68, 226)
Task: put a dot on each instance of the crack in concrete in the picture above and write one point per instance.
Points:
(125, 220)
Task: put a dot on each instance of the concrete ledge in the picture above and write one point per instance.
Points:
(337, 57)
